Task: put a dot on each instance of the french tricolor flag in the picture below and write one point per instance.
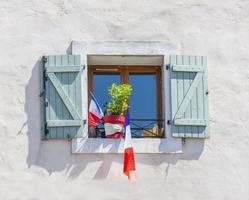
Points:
(129, 160)
(95, 113)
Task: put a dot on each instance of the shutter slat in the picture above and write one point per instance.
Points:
(180, 91)
(187, 83)
(200, 93)
(65, 85)
(52, 99)
(188, 98)
(194, 133)
(60, 104)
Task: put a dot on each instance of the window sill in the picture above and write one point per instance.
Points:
(143, 145)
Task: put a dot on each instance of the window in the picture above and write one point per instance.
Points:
(183, 98)
(146, 99)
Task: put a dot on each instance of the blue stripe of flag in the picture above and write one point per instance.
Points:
(127, 121)
(94, 99)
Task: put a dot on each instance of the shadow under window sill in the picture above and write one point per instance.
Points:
(141, 145)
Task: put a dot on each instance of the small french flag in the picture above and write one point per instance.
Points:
(129, 160)
(95, 113)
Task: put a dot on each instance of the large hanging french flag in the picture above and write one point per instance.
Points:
(95, 113)
(129, 160)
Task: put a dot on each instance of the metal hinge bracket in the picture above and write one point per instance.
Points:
(69, 138)
(46, 129)
(42, 93)
(44, 59)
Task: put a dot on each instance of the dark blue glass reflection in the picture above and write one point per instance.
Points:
(143, 101)
(101, 83)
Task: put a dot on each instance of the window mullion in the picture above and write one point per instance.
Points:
(124, 74)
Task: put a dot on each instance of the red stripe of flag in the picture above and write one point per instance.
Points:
(93, 120)
(95, 112)
(129, 162)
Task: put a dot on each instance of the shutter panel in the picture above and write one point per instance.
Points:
(189, 96)
(63, 100)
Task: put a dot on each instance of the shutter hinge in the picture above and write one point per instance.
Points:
(45, 75)
(46, 129)
(167, 66)
(169, 122)
(42, 93)
(69, 138)
(44, 59)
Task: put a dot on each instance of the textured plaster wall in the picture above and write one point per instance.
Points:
(217, 168)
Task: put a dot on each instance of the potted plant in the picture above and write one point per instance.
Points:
(115, 116)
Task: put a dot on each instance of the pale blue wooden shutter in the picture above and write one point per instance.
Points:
(62, 97)
(189, 96)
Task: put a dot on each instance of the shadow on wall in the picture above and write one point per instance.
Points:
(55, 155)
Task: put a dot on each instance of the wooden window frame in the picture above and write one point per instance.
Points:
(124, 71)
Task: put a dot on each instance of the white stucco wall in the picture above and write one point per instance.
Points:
(216, 168)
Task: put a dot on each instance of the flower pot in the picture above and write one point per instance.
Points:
(114, 126)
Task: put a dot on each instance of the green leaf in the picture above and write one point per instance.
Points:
(119, 98)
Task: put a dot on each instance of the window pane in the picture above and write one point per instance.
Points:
(101, 83)
(143, 102)
(143, 99)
